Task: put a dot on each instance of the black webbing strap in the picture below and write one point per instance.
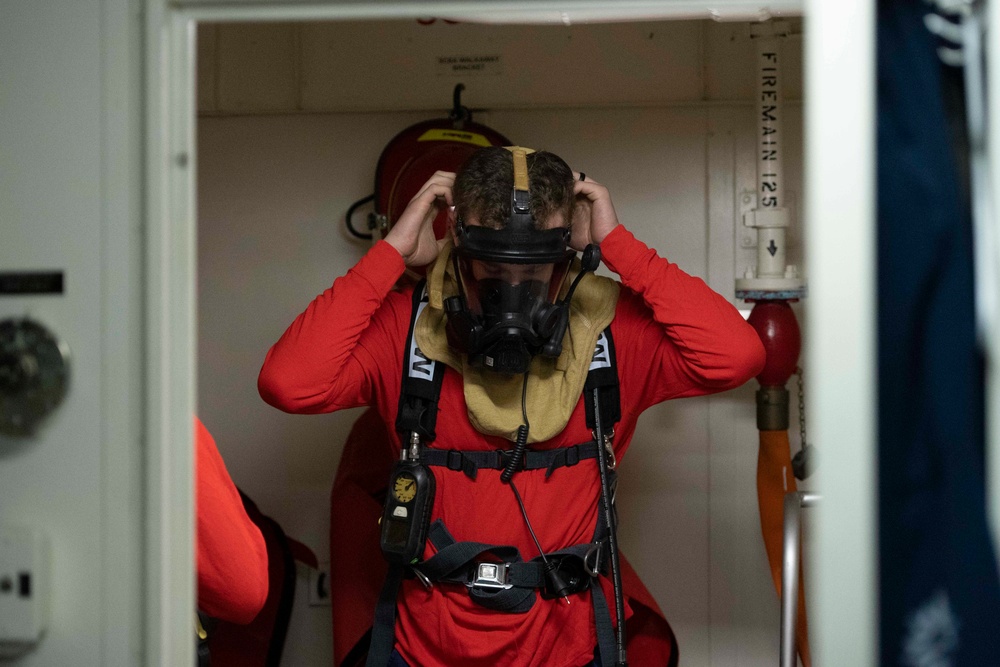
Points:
(421, 382)
(603, 375)
(203, 654)
(384, 628)
(605, 629)
(458, 563)
(453, 560)
(470, 462)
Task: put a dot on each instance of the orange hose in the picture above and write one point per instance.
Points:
(774, 480)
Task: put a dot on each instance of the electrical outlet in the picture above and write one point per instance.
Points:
(319, 586)
(24, 561)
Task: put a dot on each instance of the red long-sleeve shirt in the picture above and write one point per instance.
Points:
(232, 556)
(674, 337)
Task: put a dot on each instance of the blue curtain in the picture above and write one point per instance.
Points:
(939, 594)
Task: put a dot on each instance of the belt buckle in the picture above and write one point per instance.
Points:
(490, 575)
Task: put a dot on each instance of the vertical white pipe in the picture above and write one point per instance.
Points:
(770, 184)
(769, 111)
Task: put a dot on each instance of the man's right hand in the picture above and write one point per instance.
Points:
(413, 233)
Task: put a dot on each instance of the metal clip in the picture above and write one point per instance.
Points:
(609, 448)
(414, 446)
(491, 575)
(423, 578)
(596, 550)
(378, 222)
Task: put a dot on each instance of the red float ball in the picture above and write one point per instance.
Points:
(778, 329)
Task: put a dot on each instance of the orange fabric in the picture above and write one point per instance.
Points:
(774, 480)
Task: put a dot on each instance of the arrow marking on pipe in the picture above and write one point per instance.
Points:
(772, 248)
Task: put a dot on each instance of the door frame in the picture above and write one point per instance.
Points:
(840, 311)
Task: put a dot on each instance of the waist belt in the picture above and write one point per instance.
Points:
(508, 585)
(470, 462)
(498, 578)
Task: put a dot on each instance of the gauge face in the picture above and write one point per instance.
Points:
(404, 488)
(33, 375)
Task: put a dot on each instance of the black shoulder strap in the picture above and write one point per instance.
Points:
(421, 383)
(603, 375)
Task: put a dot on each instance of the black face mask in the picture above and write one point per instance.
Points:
(509, 279)
(501, 325)
(507, 313)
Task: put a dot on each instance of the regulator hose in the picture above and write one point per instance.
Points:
(521, 444)
(609, 518)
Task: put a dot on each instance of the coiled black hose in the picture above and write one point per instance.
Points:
(521, 444)
(350, 214)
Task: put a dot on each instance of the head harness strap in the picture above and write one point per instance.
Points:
(520, 155)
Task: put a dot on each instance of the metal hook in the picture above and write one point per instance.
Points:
(459, 114)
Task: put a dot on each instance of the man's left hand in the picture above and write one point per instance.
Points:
(594, 215)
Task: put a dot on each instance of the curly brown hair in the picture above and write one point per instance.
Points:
(484, 183)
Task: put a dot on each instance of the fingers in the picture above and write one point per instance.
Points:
(412, 234)
(423, 207)
(438, 185)
(590, 189)
(594, 214)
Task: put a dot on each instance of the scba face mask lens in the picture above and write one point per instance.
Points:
(511, 311)
(514, 294)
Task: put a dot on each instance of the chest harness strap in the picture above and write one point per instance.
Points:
(496, 576)
(471, 462)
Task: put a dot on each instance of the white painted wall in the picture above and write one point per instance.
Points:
(255, 68)
(279, 162)
(69, 200)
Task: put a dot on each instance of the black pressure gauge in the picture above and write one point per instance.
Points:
(34, 371)
(407, 512)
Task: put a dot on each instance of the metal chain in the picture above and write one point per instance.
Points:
(802, 407)
(804, 462)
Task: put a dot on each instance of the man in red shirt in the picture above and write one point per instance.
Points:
(516, 352)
